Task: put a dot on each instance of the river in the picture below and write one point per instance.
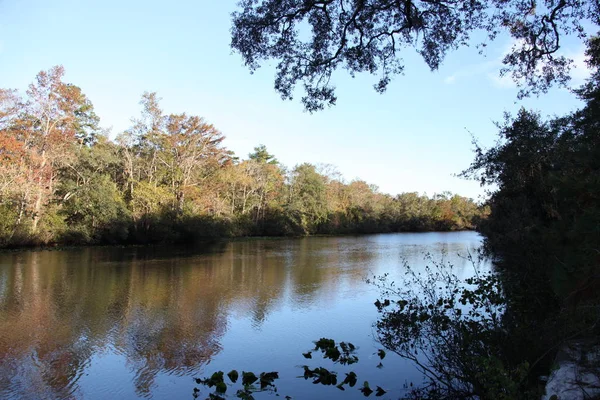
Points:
(142, 322)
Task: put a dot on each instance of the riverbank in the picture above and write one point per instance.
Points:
(191, 238)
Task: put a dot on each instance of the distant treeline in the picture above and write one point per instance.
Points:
(170, 179)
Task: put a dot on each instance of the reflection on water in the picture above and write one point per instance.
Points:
(139, 322)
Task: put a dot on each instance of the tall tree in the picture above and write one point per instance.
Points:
(57, 116)
(261, 155)
(191, 152)
(307, 197)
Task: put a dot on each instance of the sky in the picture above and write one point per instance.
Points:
(413, 138)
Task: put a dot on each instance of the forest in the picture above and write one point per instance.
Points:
(170, 178)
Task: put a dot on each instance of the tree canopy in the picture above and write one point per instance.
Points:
(310, 39)
(170, 178)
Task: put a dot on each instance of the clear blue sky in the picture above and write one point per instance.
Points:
(412, 138)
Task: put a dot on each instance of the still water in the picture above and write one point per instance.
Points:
(129, 323)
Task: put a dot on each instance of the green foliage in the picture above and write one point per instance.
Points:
(342, 354)
(311, 39)
(9, 215)
(319, 375)
(169, 179)
(233, 376)
(543, 225)
(459, 326)
(262, 156)
(248, 378)
(543, 231)
(365, 389)
(266, 381)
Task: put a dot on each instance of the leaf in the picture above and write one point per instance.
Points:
(248, 378)
(233, 376)
(307, 355)
(333, 353)
(308, 373)
(244, 395)
(379, 392)
(216, 378)
(221, 387)
(366, 390)
(350, 378)
(267, 378)
(381, 353)
(324, 344)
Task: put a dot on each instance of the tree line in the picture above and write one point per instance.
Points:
(170, 178)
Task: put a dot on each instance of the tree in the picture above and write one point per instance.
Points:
(261, 155)
(55, 117)
(91, 204)
(543, 225)
(368, 36)
(191, 150)
(307, 197)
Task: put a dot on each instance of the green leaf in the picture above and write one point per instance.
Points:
(248, 378)
(381, 353)
(221, 387)
(366, 390)
(379, 392)
(244, 395)
(307, 355)
(216, 378)
(233, 376)
(350, 378)
(267, 378)
(324, 344)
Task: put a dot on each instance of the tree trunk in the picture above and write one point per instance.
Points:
(37, 207)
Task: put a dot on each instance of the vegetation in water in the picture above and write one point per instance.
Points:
(342, 353)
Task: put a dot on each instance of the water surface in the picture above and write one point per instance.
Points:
(129, 323)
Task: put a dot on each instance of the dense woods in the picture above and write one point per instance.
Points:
(170, 178)
(544, 226)
(539, 309)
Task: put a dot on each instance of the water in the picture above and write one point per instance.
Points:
(128, 323)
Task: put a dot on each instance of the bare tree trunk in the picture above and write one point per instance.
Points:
(244, 203)
(37, 207)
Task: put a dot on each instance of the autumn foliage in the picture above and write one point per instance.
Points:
(169, 178)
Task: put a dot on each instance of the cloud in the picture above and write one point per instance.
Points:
(449, 80)
(502, 82)
(580, 70)
(491, 69)
(471, 71)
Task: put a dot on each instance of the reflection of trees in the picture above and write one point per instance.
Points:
(163, 310)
